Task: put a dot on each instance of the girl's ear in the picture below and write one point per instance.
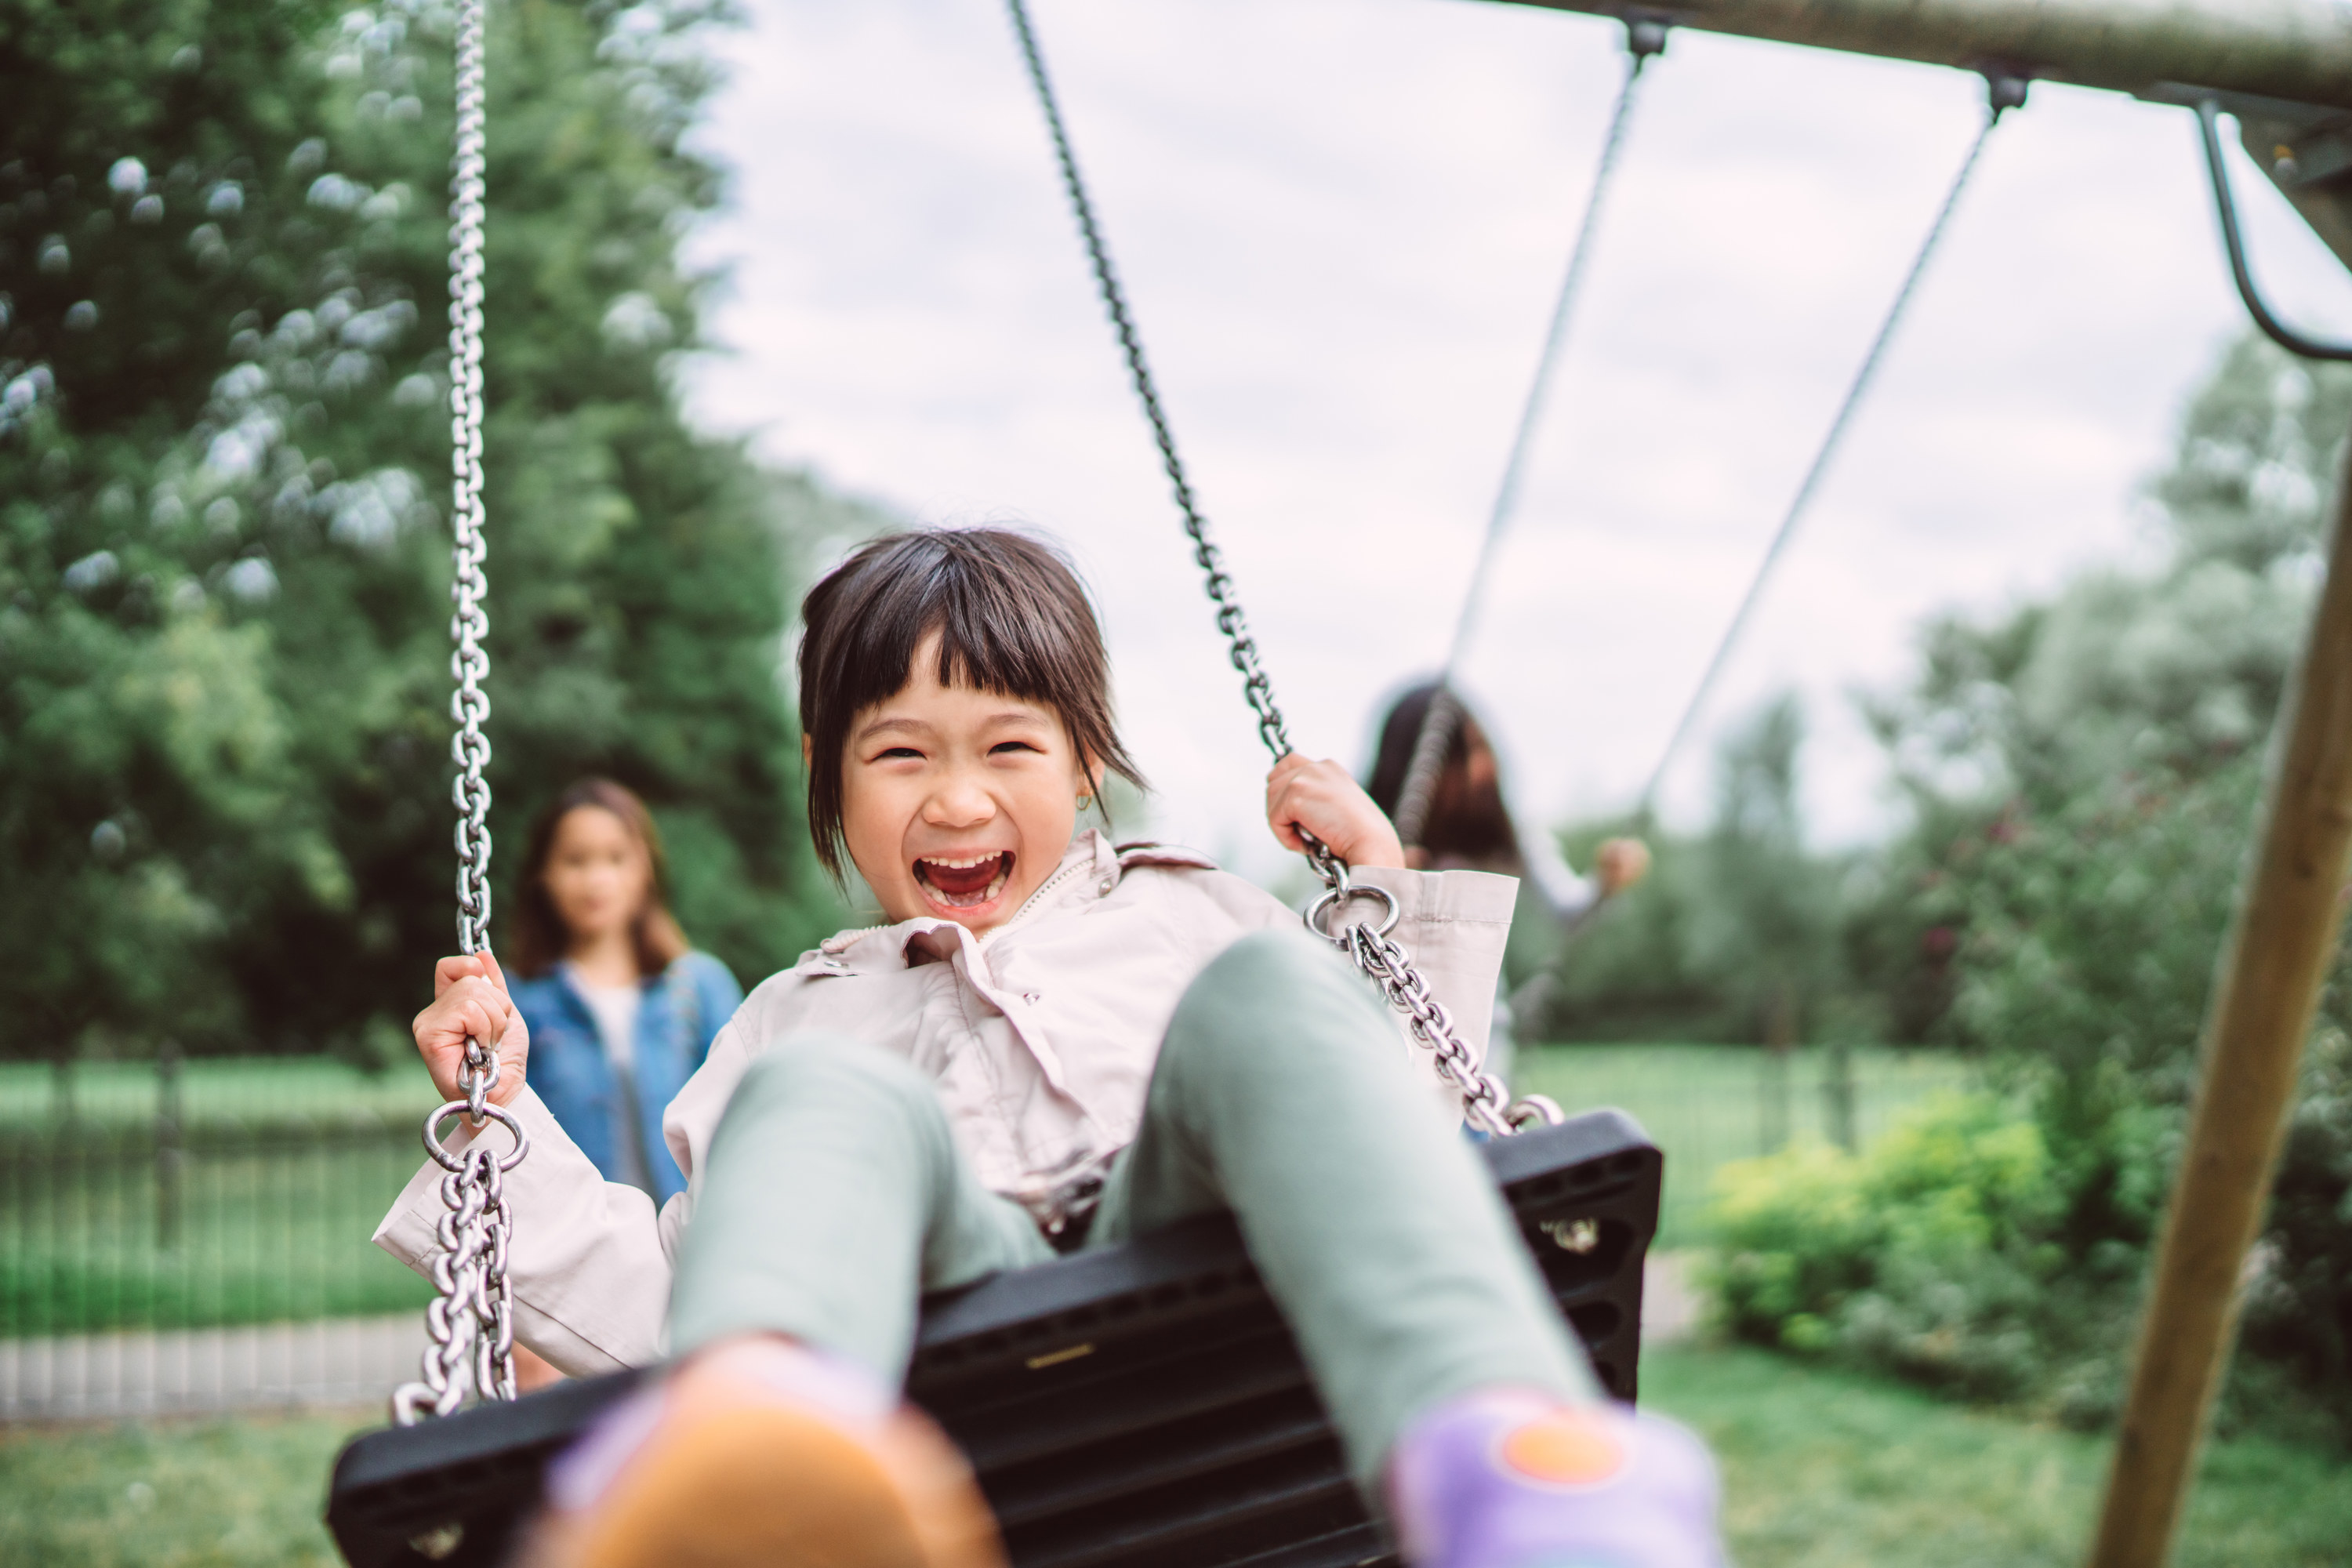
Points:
(1089, 781)
(808, 749)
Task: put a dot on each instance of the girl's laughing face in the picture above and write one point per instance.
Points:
(956, 803)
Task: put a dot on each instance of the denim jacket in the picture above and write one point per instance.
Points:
(682, 1011)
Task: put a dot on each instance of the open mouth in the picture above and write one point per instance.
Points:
(964, 882)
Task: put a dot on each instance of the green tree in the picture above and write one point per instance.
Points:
(223, 450)
(1734, 935)
(2085, 771)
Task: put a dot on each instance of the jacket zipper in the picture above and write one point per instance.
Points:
(1037, 897)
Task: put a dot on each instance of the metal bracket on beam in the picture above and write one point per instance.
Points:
(1645, 33)
(2209, 118)
(2005, 89)
(2322, 158)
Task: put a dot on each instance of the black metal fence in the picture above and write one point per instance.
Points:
(163, 1196)
(158, 1197)
(1707, 1106)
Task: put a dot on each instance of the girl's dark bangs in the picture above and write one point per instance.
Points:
(1010, 616)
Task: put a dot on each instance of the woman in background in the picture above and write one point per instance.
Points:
(1468, 826)
(620, 1010)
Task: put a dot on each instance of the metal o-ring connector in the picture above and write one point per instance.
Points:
(1333, 897)
(498, 1113)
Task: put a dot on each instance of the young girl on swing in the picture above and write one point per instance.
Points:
(1050, 1042)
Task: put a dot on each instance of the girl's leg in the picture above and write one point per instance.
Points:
(832, 1199)
(1283, 1092)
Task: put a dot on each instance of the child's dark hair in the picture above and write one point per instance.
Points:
(1011, 617)
(1464, 820)
(536, 933)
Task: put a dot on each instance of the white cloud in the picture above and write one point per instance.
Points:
(1340, 222)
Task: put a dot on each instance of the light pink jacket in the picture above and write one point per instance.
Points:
(1041, 1036)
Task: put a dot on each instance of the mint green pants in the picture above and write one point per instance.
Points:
(833, 1196)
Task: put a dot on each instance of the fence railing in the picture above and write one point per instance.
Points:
(224, 1192)
(162, 1197)
(1707, 1106)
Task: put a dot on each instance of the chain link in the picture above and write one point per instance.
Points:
(1486, 1102)
(1383, 960)
(471, 1320)
(1242, 648)
(2004, 92)
(469, 621)
(470, 1323)
(1645, 37)
(1430, 744)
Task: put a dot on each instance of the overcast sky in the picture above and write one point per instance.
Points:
(1341, 223)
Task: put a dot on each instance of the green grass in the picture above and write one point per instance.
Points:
(215, 1494)
(1830, 1469)
(1821, 1469)
(1707, 1105)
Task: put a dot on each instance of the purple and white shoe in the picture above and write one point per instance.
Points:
(1510, 1479)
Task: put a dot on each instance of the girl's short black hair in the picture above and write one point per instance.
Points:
(1011, 617)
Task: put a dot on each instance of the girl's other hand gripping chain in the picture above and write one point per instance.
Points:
(1324, 799)
(470, 999)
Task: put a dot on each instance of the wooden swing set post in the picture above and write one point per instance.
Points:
(2283, 68)
(2280, 940)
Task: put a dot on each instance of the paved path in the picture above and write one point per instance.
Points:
(346, 1360)
(1672, 1307)
(357, 1361)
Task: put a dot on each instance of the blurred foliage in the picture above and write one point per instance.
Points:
(1922, 1256)
(1734, 935)
(2085, 773)
(223, 573)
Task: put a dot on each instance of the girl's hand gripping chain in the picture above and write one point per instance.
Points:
(1325, 800)
(469, 1000)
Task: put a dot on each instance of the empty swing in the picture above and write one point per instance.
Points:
(1143, 1404)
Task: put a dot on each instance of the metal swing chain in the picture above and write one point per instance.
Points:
(1645, 37)
(1487, 1104)
(2003, 92)
(471, 1320)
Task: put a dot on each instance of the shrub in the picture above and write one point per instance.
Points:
(1922, 1256)
(1946, 1253)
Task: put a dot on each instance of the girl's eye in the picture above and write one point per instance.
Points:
(898, 751)
(1007, 746)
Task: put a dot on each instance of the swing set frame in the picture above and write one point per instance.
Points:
(2283, 68)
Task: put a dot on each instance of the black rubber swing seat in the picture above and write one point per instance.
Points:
(1143, 1404)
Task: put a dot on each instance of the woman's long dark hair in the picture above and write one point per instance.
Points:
(1466, 821)
(537, 933)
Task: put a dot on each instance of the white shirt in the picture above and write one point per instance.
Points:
(614, 1008)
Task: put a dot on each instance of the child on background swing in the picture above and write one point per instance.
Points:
(1052, 1044)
